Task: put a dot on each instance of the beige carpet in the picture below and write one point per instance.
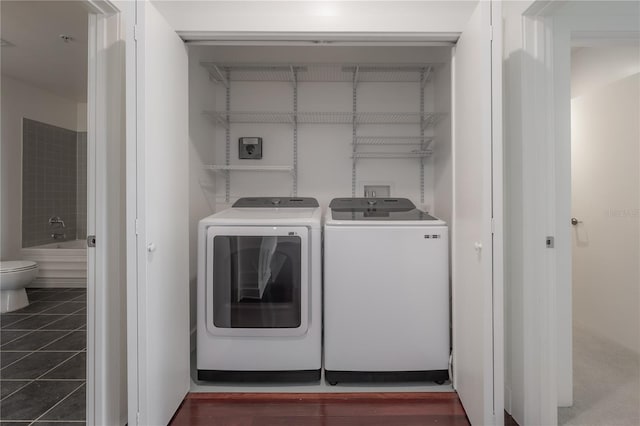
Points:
(606, 387)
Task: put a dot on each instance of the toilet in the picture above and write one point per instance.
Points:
(15, 275)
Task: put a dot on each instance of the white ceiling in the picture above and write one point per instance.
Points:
(37, 55)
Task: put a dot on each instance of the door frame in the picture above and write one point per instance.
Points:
(135, 191)
(546, 116)
(105, 348)
(424, 39)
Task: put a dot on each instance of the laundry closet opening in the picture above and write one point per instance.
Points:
(318, 121)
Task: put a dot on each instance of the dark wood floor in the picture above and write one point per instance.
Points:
(334, 409)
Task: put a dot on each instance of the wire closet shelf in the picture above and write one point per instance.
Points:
(364, 147)
(348, 73)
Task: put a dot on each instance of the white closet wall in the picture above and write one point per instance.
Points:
(201, 152)
(324, 150)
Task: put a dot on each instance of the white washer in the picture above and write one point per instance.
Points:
(386, 292)
(259, 292)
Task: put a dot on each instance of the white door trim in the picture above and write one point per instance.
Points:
(266, 38)
(546, 135)
(497, 200)
(104, 371)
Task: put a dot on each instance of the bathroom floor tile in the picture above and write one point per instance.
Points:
(7, 358)
(7, 387)
(80, 297)
(7, 336)
(7, 320)
(33, 341)
(66, 308)
(34, 322)
(35, 296)
(35, 399)
(60, 296)
(34, 365)
(69, 322)
(37, 307)
(74, 368)
(43, 359)
(74, 341)
(72, 408)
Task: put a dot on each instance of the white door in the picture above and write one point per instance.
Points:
(477, 357)
(158, 311)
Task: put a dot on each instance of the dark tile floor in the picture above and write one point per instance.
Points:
(43, 352)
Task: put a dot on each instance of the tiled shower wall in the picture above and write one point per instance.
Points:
(50, 187)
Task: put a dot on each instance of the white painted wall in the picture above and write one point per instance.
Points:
(22, 100)
(202, 183)
(324, 152)
(594, 67)
(317, 16)
(442, 164)
(605, 148)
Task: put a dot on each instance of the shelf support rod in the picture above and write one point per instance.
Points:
(227, 135)
(422, 145)
(354, 137)
(356, 75)
(425, 75)
(221, 77)
(294, 76)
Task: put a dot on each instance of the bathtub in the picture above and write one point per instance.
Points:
(61, 263)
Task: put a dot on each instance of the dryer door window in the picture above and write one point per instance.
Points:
(258, 281)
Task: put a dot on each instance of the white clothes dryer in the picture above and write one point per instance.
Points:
(259, 292)
(386, 292)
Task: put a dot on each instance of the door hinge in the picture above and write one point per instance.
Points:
(135, 32)
(493, 226)
(137, 226)
(491, 32)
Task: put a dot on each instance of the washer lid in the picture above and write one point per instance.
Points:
(17, 265)
(382, 215)
(377, 209)
(276, 202)
(360, 204)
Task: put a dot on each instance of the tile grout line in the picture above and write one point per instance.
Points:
(17, 390)
(24, 335)
(27, 316)
(53, 368)
(42, 328)
(47, 344)
(30, 381)
(9, 365)
(73, 353)
(58, 403)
